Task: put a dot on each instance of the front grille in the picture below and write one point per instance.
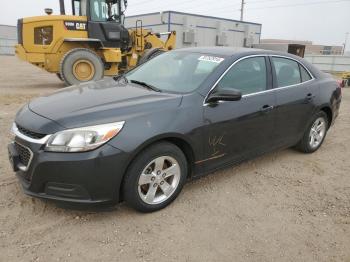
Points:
(29, 133)
(20, 31)
(24, 153)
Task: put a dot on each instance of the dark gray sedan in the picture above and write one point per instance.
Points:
(185, 113)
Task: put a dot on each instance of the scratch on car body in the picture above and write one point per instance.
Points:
(215, 142)
(211, 158)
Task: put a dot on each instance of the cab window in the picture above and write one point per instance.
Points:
(79, 7)
(76, 8)
(248, 76)
(102, 10)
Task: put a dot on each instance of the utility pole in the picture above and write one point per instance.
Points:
(242, 9)
(346, 42)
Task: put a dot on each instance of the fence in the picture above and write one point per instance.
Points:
(7, 46)
(330, 63)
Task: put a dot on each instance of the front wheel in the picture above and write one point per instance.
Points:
(155, 177)
(314, 134)
(81, 65)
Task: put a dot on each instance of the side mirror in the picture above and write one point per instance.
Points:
(224, 94)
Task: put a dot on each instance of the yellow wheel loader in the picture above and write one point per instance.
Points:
(90, 43)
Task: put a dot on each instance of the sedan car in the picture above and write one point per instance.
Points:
(139, 137)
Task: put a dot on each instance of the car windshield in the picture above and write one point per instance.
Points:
(175, 71)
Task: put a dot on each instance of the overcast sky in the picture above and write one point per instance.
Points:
(321, 21)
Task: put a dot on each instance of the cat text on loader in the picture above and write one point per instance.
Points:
(90, 43)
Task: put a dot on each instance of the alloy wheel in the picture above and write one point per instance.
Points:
(317, 132)
(159, 180)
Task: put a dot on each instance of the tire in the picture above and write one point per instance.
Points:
(150, 54)
(59, 76)
(139, 196)
(306, 145)
(81, 65)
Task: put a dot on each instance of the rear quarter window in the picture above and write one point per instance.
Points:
(305, 76)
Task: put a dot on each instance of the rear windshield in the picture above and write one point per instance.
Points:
(176, 71)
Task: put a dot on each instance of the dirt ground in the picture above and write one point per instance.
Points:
(284, 206)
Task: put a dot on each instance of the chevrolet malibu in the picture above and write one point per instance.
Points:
(138, 137)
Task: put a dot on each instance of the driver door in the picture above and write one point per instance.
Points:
(241, 129)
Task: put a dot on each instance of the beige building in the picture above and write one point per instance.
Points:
(8, 39)
(200, 30)
(311, 49)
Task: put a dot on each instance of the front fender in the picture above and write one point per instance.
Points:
(183, 123)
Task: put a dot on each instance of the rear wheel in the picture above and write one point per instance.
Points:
(81, 65)
(315, 133)
(155, 177)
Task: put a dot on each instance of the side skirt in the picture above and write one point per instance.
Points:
(239, 161)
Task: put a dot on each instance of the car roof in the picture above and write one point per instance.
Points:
(233, 51)
(238, 52)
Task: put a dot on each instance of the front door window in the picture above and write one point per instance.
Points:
(248, 76)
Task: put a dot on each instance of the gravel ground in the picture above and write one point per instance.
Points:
(284, 206)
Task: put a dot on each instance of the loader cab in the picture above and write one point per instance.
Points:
(105, 20)
(100, 10)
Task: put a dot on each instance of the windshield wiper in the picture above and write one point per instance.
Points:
(146, 85)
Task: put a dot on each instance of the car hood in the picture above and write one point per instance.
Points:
(101, 102)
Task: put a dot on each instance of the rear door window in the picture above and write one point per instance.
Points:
(287, 71)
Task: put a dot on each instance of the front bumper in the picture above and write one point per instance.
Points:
(89, 177)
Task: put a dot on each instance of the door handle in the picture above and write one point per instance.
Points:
(266, 108)
(309, 97)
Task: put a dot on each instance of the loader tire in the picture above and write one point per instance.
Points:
(150, 54)
(81, 65)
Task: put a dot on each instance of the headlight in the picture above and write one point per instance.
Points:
(83, 139)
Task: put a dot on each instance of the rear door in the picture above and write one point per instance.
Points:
(239, 129)
(296, 92)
